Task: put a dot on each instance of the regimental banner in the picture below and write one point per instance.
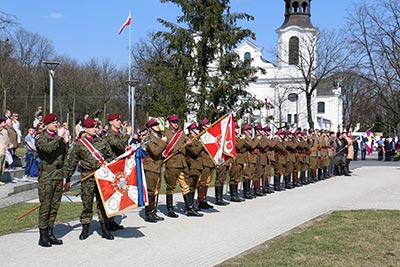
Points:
(219, 140)
(122, 183)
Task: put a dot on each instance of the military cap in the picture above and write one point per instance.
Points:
(247, 128)
(267, 128)
(297, 132)
(237, 126)
(288, 132)
(205, 122)
(279, 132)
(113, 116)
(49, 118)
(89, 123)
(303, 133)
(192, 126)
(258, 127)
(152, 122)
(173, 118)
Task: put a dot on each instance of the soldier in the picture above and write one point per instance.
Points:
(177, 168)
(81, 154)
(305, 164)
(290, 159)
(51, 150)
(152, 167)
(325, 154)
(118, 142)
(238, 164)
(297, 144)
(206, 174)
(315, 155)
(269, 151)
(262, 160)
(251, 151)
(280, 163)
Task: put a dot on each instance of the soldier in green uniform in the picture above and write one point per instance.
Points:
(52, 151)
(177, 168)
(118, 142)
(152, 168)
(80, 154)
(206, 173)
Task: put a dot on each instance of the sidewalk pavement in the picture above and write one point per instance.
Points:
(222, 233)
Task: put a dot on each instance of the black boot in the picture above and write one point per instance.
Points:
(246, 189)
(53, 240)
(44, 238)
(112, 225)
(320, 176)
(170, 207)
(85, 232)
(288, 183)
(189, 206)
(218, 196)
(105, 233)
(233, 191)
(276, 183)
(202, 197)
(158, 218)
(149, 215)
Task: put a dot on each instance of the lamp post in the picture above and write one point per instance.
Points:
(51, 66)
(132, 86)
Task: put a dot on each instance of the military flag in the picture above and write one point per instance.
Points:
(219, 140)
(122, 183)
(126, 23)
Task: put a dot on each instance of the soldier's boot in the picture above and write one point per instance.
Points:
(54, 240)
(288, 183)
(233, 191)
(158, 218)
(320, 176)
(85, 232)
(296, 182)
(189, 206)
(257, 188)
(270, 188)
(203, 198)
(112, 225)
(246, 189)
(44, 238)
(303, 178)
(314, 176)
(218, 196)
(148, 211)
(325, 172)
(282, 183)
(105, 233)
(170, 207)
(277, 183)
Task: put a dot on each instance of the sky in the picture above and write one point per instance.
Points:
(87, 29)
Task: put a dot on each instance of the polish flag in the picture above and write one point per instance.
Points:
(126, 23)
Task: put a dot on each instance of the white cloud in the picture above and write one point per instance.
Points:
(55, 15)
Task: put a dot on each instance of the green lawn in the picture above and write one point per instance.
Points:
(343, 238)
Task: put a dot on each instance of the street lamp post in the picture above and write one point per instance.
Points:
(51, 66)
(132, 86)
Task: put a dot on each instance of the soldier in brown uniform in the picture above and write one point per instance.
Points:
(325, 157)
(262, 161)
(206, 174)
(177, 169)
(305, 164)
(290, 159)
(250, 146)
(152, 168)
(238, 164)
(298, 146)
(51, 150)
(270, 153)
(118, 142)
(315, 155)
(280, 163)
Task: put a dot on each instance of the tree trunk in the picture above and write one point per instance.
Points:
(309, 111)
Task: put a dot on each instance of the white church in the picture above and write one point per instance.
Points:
(279, 85)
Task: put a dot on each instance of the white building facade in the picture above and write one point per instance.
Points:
(279, 85)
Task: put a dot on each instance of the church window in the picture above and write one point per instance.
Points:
(289, 118)
(294, 51)
(247, 59)
(304, 7)
(321, 107)
(295, 7)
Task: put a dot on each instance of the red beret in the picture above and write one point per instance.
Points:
(279, 132)
(288, 132)
(297, 132)
(152, 122)
(113, 116)
(247, 127)
(258, 127)
(49, 118)
(204, 122)
(173, 118)
(267, 128)
(192, 126)
(89, 123)
(237, 126)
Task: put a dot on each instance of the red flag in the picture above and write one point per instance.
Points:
(219, 140)
(126, 23)
(122, 184)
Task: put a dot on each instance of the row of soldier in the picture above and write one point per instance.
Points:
(264, 163)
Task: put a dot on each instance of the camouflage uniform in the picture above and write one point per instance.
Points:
(51, 150)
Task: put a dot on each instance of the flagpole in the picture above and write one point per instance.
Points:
(130, 97)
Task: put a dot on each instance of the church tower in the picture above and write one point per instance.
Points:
(297, 34)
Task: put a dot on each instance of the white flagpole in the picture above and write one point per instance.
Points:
(129, 70)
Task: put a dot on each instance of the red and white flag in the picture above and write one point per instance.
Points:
(122, 183)
(219, 140)
(126, 23)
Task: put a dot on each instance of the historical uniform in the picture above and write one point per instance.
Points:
(238, 164)
(315, 148)
(52, 151)
(152, 167)
(81, 155)
(262, 161)
(177, 169)
(290, 159)
(118, 142)
(269, 151)
(280, 162)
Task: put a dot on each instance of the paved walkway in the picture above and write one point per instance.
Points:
(221, 234)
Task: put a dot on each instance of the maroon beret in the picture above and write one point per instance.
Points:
(297, 132)
(113, 116)
(267, 128)
(192, 126)
(49, 118)
(247, 127)
(205, 122)
(258, 127)
(173, 118)
(279, 132)
(288, 132)
(152, 122)
(89, 123)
